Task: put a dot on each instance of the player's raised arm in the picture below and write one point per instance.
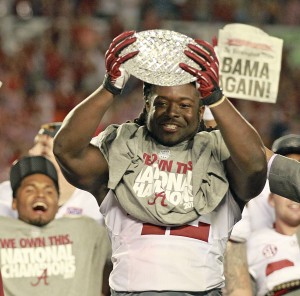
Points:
(246, 167)
(83, 164)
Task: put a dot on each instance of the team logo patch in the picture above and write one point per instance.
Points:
(164, 154)
(74, 211)
(269, 251)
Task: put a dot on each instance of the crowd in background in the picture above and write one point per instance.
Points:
(52, 55)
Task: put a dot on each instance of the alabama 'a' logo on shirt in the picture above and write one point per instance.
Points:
(269, 251)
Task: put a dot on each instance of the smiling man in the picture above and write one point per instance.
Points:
(72, 201)
(34, 183)
(273, 253)
(173, 129)
(41, 255)
(175, 190)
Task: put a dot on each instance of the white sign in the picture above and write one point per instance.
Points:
(250, 63)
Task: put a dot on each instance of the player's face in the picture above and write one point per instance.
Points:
(174, 113)
(43, 145)
(287, 211)
(36, 200)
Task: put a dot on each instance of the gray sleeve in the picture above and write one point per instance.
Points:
(220, 146)
(104, 139)
(284, 177)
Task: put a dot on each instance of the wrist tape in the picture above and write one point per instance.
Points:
(107, 84)
(213, 98)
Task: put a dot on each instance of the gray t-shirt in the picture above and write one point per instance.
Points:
(164, 185)
(65, 257)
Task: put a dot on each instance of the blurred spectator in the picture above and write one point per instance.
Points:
(292, 14)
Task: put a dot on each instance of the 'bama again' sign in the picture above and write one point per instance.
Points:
(250, 63)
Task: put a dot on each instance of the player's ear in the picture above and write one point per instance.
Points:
(14, 204)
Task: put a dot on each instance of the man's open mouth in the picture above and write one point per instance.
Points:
(40, 206)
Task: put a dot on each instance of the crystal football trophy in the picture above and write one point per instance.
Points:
(160, 52)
